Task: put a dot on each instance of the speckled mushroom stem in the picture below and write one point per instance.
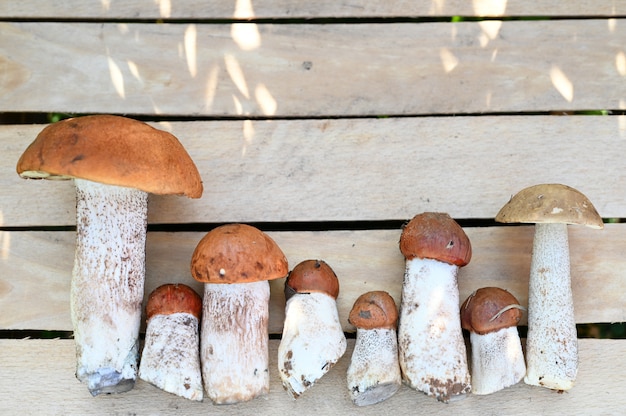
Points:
(374, 373)
(107, 284)
(312, 341)
(234, 341)
(432, 351)
(552, 344)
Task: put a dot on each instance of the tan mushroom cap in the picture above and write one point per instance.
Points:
(237, 253)
(375, 309)
(435, 235)
(312, 276)
(173, 298)
(550, 203)
(112, 150)
(483, 305)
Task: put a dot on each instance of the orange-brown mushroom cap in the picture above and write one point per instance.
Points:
(375, 309)
(435, 235)
(173, 298)
(312, 276)
(112, 150)
(237, 253)
(483, 305)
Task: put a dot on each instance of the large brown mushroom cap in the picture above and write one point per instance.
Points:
(550, 203)
(479, 311)
(237, 253)
(435, 235)
(112, 150)
(173, 298)
(375, 309)
(312, 276)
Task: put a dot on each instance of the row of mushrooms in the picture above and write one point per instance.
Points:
(115, 162)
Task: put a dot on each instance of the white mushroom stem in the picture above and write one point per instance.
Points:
(497, 360)
(374, 372)
(234, 341)
(312, 341)
(432, 351)
(170, 358)
(107, 284)
(552, 344)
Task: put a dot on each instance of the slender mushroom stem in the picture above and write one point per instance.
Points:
(234, 342)
(107, 284)
(552, 344)
(430, 340)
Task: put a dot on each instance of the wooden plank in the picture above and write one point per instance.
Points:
(33, 380)
(356, 169)
(35, 269)
(263, 9)
(313, 70)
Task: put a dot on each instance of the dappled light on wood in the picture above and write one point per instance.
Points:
(489, 7)
(562, 83)
(191, 50)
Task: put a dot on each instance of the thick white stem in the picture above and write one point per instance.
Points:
(234, 341)
(170, 358)
(552, 344)
(107, 284)
(312, 341)
(497, 360)
(432, 351)
(374, 371)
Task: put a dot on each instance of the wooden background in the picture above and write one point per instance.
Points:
(326, 124)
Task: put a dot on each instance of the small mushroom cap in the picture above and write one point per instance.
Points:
(237, 253)
(550, 203)
(112, 150)
(375, 309)
(483, 305)
(435, 235)
(312, 276)
(173, 298)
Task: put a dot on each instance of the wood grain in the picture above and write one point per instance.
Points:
(312, 70)
(49, 387)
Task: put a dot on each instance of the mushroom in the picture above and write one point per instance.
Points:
(170, 358)
(235, 262)
(491, 315)
(551, 344)
(374, 371)
(115, 162)
(313, 340)
(431, 347)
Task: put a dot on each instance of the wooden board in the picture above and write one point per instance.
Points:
(356, 169)
(274, 70)
(49, 387)
(247, 9)
(35, 269)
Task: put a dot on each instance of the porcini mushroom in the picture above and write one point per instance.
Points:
(235, 262)
(115, 162)
(551, 344)
(431, 347)
(374, 371)
(491, 315)
(313, 340)
(170, 358)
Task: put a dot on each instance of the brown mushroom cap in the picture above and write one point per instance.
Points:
(375, 309)
(312, 276)
(435, 235)
(112, 150)
(550, 203)
(173, 298)
(237, 253)
(483, 305)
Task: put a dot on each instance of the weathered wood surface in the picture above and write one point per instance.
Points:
(250, 9)
(49, 387)
(313, 70)
(36, 269)
(356, 169)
